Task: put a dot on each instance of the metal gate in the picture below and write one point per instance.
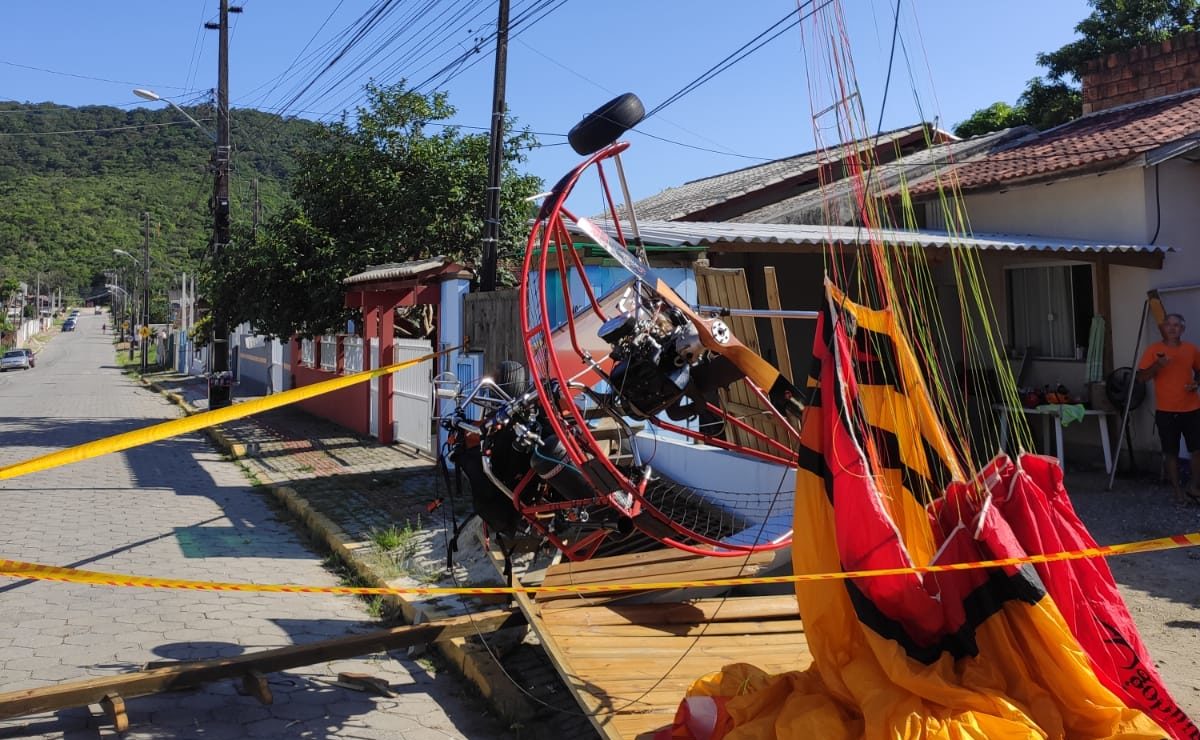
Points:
(412, 395)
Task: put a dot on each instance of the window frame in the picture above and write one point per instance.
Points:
(1090, 309)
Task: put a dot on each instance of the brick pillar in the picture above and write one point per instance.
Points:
(386, 318)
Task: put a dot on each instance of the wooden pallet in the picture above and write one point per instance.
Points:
(628, 662)
(726, 287)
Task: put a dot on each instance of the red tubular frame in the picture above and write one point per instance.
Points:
(567, 419)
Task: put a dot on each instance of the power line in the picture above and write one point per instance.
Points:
(99, 130)
(88, 77)
(741, 53)
(300, 54)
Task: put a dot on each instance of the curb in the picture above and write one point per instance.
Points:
(472, 661)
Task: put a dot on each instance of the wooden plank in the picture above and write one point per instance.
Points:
(701, 611)
(670, 647)
(693, 567)
(651, 631)
(186, 675)
(783, 357)
(597, 713)
(492, 323)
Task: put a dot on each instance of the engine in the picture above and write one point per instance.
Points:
(655, 352)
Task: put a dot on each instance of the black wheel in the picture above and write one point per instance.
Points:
(602, 126)
(513, 378)
(1118, 386)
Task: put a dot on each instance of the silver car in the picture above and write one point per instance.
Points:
(14, 359)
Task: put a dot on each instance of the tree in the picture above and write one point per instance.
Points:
(1112, 26)
(397, 186)
(998, 115)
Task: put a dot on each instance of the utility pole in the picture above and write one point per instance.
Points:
(257, 208)
(491, 226)
(218, 387)
(145, 333)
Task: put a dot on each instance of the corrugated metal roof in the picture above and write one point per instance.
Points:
(706, 233)
(837, 201)
(697, 195)
(394, 270)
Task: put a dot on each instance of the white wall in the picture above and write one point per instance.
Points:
(1125, 205)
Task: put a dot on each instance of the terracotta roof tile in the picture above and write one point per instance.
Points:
(1097, 141)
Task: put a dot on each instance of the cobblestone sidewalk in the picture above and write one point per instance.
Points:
(347, 490)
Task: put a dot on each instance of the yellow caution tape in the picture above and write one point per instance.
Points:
(35, 571)
(176, 427)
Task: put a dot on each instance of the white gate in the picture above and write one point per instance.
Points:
(412, 395)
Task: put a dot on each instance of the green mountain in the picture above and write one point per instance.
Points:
(74, 183)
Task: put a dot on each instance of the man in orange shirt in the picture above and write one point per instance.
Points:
(1171, 365)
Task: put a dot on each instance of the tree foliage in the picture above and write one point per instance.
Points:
(397, 186)
(1112, 26)
(71, 198)
(998, 115)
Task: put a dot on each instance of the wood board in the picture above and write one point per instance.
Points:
(628, 663)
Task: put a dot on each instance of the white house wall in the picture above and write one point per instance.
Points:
(1118, 206)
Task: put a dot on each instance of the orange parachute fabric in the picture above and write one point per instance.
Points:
(954, 655)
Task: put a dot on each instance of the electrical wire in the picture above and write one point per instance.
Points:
(742, 52)
(89, 77)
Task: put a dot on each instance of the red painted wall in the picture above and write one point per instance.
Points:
(349, 407)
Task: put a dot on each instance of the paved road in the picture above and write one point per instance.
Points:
(173, 509)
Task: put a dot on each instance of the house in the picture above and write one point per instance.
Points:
(1075, 222)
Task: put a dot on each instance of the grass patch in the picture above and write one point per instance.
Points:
(400, 543)
(396, 550)
(377, 606)
(134, 364)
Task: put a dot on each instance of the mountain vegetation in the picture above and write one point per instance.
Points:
(1112, 26)
(75, 182)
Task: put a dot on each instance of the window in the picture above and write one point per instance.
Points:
(329, 353)
(1050, 309)
(352, 355)
(308, 353)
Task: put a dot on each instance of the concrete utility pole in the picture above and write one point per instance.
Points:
(491, 226)
(145, 290)
(219, 391)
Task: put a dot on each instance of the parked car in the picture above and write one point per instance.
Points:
(69, 325)
(29, 353)
(14, 359)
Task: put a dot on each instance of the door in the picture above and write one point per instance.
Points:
(412, 395)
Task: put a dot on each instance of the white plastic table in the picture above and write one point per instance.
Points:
(1054, 413)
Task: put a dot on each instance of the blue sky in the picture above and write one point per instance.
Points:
(963, 55)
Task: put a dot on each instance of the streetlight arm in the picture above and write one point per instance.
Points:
(211, 136)
(151, 95)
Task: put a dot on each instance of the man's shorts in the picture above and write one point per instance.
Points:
(1175, 424)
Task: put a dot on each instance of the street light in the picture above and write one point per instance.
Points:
(143, 263)
(142, 92)
(218, 380)
(115, 313)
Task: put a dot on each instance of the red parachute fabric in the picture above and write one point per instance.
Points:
(964, 654)
(1031, 497)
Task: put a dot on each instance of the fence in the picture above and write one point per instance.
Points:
(493, 323)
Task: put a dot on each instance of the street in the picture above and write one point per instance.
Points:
(174, 509)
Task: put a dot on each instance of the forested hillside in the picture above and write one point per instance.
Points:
(75, 181)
